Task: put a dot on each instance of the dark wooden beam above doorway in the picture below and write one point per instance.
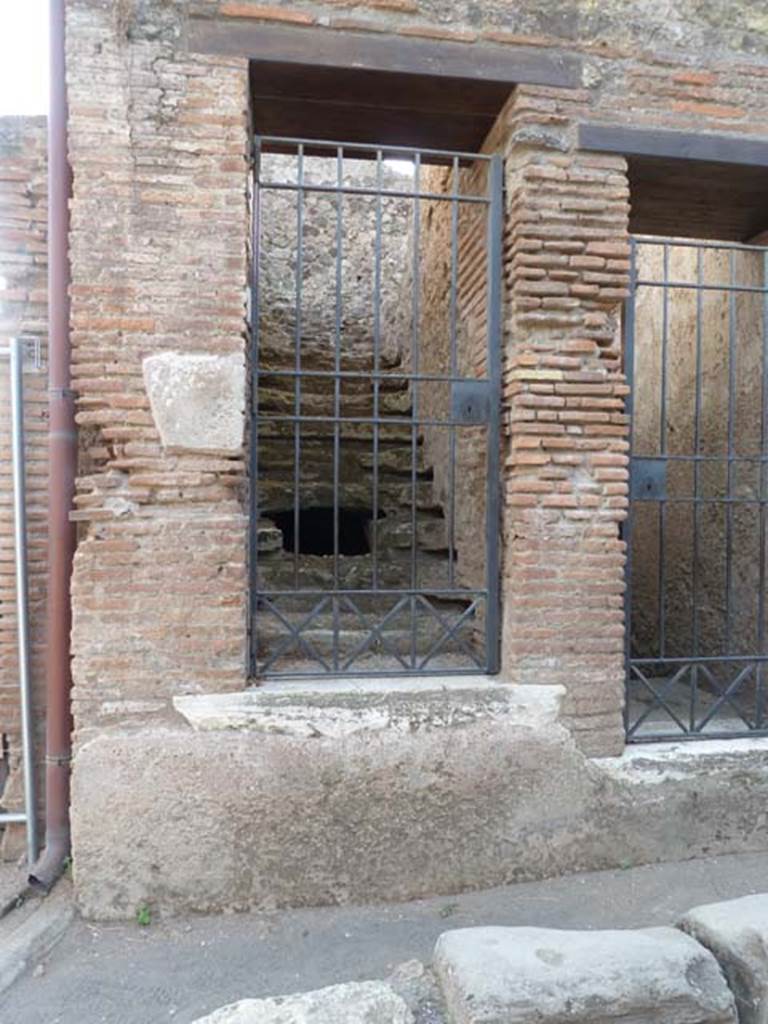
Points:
(689, 184)
(382, 89)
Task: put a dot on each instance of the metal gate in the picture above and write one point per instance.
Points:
(375, 406)
(696, 352)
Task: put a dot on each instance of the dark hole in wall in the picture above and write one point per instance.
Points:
(316, 530)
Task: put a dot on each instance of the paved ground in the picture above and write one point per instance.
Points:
(177, 970)
(13, 880)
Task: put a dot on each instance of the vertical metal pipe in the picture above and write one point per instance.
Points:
(415, 339)
(731, 453)
(297, 367)
(253, 454)
(629, 372)
(22, 593)
(662, 567)
(760, 669)
(337, 398)
(62, 468)
(492, 524)
(376, 369)
(454, 370)
(698, 398)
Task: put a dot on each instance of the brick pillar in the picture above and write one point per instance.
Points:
(566, 467)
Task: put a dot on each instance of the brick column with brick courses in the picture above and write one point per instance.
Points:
(565, 482)
(159, 264)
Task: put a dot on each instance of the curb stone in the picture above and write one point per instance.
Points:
(29, 933)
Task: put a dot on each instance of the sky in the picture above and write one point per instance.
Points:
(23, 56)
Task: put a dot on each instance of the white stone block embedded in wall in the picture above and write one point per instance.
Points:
(197, 401)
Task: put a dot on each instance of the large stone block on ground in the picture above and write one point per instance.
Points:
(736, 932)
(197, 400)
(522, 975)
(368, 1002)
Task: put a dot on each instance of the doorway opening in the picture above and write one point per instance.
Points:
(375, 410)
(697, 362)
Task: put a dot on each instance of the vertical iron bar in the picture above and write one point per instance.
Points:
(760, 681)
(22, 593)
(253, 462)
(297, 365)
(493, 455)
(415, 336)
(376, 367)
(454, 364)
(730, 441)
(693, 710)
(337, 400)
(629, 371)
(662, 569)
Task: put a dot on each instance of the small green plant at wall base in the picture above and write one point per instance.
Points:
(67, 867)
(143, 915)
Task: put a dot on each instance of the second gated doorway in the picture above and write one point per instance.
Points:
(375, 410)
(697, 363)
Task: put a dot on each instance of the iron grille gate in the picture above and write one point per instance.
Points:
(696, 351)
(376, 304)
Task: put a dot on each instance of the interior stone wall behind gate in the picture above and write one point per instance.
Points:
(459, 466)
(703, 587)
(23, 312)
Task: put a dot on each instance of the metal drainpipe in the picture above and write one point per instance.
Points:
(62, 467)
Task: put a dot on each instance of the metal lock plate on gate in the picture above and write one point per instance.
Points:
(470, 401)
(648, 479)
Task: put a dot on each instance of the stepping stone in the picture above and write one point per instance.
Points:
(367, 1002)
(544, 976)
(737, 934)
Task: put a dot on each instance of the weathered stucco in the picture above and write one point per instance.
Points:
(360, 794)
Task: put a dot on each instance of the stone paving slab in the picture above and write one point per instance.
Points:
(178, 969)
(522, 975)
(736, 931)
(29, 933)
(369, 1002)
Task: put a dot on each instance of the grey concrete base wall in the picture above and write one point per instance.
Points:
(287, 797)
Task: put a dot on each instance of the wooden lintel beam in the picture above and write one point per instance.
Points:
(672, 145)
(404, 55)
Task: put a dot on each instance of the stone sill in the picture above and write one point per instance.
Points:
(674, 760)
(343, 707)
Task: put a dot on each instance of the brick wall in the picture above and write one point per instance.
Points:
(565, 463)
(566, 251)
(158, 250)
(159, 263)
(458, 461)
(23, 311)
